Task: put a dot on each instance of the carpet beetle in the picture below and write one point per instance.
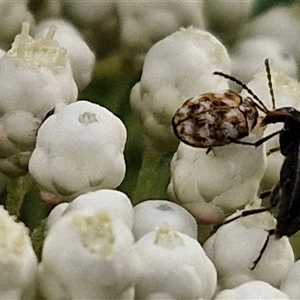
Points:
(217, 119)
(213, 119)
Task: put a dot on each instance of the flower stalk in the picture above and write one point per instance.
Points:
(154, 174)
(16, 190)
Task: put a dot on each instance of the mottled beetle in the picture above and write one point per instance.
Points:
(212, 119)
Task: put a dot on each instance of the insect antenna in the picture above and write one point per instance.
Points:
(270, 82)
(260, 105)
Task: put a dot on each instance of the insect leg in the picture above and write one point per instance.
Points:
(265, 194)
(272, 150)
(258, 142)
(262, 250)
(248, 213)
(265, 138)
(208, 150)
(243, 142)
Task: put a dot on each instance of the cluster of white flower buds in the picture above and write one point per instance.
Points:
(99, 247)
(83, 146)
(212, 184)
(96, 243)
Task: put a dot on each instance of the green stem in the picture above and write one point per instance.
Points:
(37, 238)
(16, 191)
(154, 175)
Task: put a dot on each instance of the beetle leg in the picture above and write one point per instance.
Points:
(265, 194)
(247, 213)
(244, 213)
(263, 249)
(208, 150)
(272, 150)
(258, 142)
(243, 142)
(265, 138)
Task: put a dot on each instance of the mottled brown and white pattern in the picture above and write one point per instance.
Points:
(212, 119)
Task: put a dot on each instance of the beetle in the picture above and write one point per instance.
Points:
(214, 119)
(286, 194)
(218, 119)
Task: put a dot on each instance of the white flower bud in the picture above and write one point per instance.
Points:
(79, 149)
(15, 153)
(15, 165)
(176, 267)
(17, 139)
(252, 290)
(56, 213)
(287, 33)
(150, 214)
(18, 262)
(175, 69)
(226, 18)
(35, 75)
(236, 245)
(87, 255)
(99, 20)
(291, 283)
(2, 52)
(113, 203)
(91, 14)
(210, 184)
(248, 57)
(144, 23)
(20, 128)
(82, 59)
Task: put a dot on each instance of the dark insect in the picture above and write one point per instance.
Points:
(216, 120)
(286, 194)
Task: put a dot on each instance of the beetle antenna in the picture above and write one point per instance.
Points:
(260, 106)
(270, 82)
